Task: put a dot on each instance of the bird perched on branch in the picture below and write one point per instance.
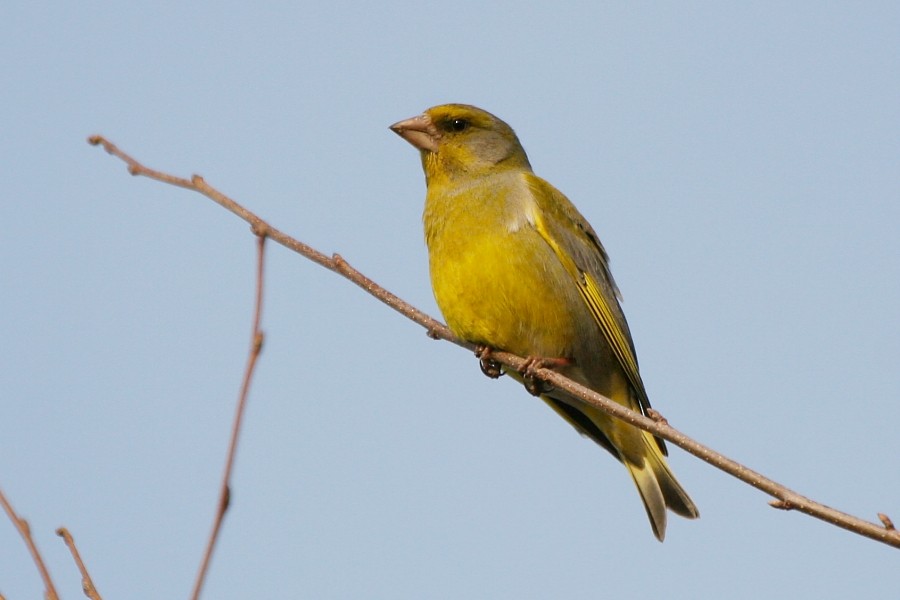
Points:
(515, 267)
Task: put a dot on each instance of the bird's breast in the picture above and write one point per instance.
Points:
(495, 279)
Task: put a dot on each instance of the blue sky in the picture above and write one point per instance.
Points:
(740, 162)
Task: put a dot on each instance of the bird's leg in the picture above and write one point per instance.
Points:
(535, 386)
(489, 366)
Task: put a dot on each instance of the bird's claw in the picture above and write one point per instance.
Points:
(535, 386)
(489, 366)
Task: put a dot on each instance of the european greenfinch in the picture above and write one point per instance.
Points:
(515, 267)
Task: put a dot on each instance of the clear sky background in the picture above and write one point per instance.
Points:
(740, 162)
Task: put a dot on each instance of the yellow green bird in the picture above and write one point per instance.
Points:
(515, 267)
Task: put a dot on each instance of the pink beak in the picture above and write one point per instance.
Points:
(419, 131)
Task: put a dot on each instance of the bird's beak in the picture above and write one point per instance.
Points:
(419, 131)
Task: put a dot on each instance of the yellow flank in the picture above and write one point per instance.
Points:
(515, 267)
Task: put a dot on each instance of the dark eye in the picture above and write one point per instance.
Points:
(457, 125)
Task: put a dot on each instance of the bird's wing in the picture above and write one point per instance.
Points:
(582, 255)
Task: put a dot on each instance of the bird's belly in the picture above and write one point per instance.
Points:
(509, 292)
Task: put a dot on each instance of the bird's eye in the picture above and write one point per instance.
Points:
(457, 125)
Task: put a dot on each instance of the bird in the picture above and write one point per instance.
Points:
(515, 267)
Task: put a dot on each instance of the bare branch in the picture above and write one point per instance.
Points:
(785, 498)
(256, 343)
(334, 263)
(87, 584)
(25, 531)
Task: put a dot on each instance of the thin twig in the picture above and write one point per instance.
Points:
(25, 531)
(334, 263)
(256, 343)
(87, 584)
(784, 497)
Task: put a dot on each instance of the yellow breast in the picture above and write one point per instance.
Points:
(496, 281)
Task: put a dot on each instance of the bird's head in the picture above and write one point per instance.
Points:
(458, 140)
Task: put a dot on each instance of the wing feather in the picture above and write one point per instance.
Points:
(582, 255)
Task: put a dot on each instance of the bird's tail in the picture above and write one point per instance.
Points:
(658, 487)
(641, 454)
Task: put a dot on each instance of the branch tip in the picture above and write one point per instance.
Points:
(255, 348)
(781, 505)
(886, 521)
(87, 584)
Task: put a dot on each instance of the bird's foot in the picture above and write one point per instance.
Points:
(535, 386)
(489, 366)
